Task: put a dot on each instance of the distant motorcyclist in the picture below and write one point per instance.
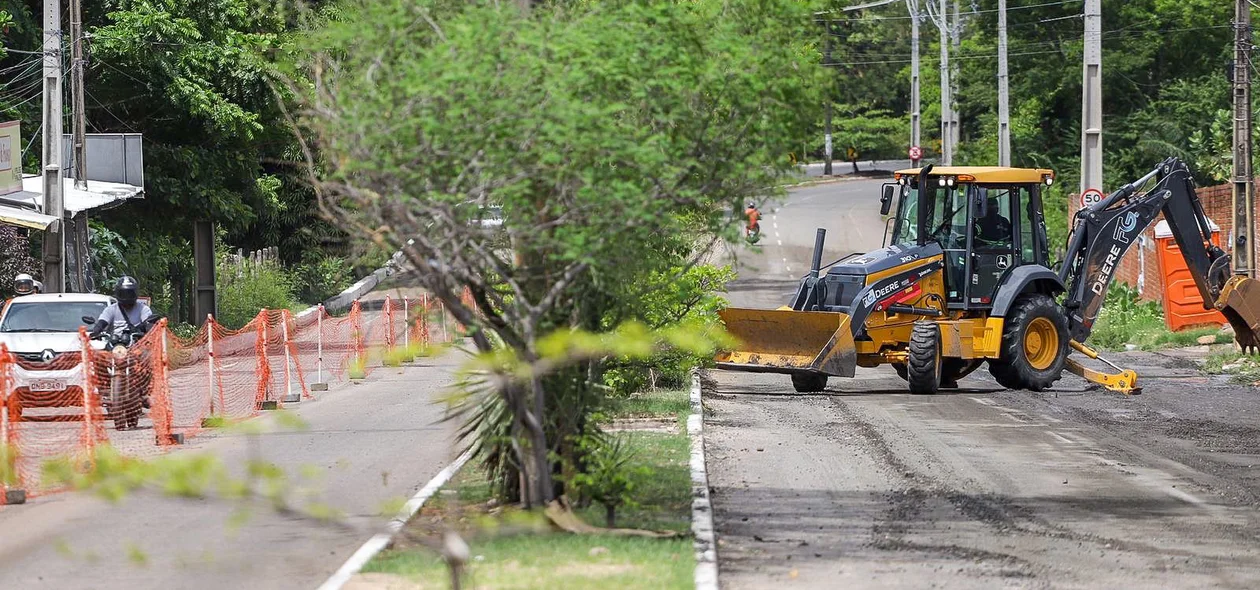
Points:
(25, 284)
(754, 218)
(127, 313)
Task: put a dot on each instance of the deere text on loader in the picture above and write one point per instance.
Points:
(965, 280)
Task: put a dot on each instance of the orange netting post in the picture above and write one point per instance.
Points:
(10, 484)
(292, 362)
(90, 434)
(215, 386)
(264, 368)
(389, 325)
(359, 368)
(161, 410)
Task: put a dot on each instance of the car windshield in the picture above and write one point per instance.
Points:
(49, 316)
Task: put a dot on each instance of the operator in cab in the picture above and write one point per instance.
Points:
(127, 313)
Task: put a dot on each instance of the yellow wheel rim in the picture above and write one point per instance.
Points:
(1041, 343)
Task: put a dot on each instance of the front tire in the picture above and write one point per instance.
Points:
(923, 369)
(809, 382)
(1034, 345)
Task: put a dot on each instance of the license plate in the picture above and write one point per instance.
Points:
(48, 385)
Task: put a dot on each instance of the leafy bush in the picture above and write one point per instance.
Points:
(319, 277)
(608, 477)
(245, 290)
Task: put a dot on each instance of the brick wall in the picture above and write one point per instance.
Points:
(1140, 266)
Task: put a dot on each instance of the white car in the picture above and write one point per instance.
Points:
(39, 327)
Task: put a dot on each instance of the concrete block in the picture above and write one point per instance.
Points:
(319, 387)
(14, 497)
(268, 405)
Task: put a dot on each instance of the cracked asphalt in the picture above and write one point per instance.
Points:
(866, 486)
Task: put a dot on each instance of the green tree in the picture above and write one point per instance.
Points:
(597, 128)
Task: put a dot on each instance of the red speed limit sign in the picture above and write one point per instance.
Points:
(1091, 197)
(916, 152)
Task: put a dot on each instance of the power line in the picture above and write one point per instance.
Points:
(1009, 9)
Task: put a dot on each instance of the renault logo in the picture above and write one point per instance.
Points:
(48, 355)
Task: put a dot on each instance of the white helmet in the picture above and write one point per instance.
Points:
(24, 284)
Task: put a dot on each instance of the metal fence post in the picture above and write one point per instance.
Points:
(319, 384)
(210, 362)
(289, 396)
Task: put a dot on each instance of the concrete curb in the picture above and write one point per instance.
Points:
(380, 541)
(701, 508)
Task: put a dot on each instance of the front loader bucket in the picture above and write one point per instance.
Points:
(1240, 304)
(785, 341)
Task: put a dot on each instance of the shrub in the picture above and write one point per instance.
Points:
(607, 477)
(318, 278)
(246, 289)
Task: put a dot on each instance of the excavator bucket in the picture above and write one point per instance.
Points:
(786, 341)
(1240, 304)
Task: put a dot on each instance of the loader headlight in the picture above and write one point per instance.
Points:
(1049, 180)
(941, 180)
(950, 181)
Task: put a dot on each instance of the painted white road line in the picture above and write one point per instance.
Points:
(1062, 438)
(379, 541)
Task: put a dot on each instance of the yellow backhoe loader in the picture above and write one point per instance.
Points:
(965, 280)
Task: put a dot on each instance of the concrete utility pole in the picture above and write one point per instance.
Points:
(1244, 196)
(955, 39)
(947, 148)
(1091, 100)
(915, 138)
(54, 236)
(76, 93)
(831, 77)
(1004, 91)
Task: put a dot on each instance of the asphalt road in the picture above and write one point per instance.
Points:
(866, 486)
(365, 447)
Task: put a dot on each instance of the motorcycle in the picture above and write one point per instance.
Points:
(753, 233)
(126, 394)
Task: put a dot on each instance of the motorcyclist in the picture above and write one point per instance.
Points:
(754, 216)
(127, 313)
(25, 284)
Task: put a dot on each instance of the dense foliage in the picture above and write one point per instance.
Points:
(1165, 86)
(191, 77)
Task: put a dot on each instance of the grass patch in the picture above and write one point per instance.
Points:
(511, 551)
(1126, 320)
(555, 561)
(662, 403)
(1243, 368)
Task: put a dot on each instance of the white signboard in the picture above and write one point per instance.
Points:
(10, 158)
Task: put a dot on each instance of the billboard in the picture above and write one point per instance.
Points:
(10, 158)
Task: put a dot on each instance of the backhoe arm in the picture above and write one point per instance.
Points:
(1103, 233)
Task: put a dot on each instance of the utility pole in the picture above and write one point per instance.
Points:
(1091, 99)
(1244, 194)
(947, 148)
(76, 93)
(955, 40)
(1004, 97)
(54, 236)
(915, 137)
(831, 77)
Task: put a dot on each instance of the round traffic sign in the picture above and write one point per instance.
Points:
(1091, 197)
(916, 152)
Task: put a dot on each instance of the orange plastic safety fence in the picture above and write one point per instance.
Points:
(143, 398)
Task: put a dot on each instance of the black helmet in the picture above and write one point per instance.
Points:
(126, 291)
(24, 284)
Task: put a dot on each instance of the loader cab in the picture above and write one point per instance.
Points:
(987, 220)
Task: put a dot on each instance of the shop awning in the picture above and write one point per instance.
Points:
(25, 218)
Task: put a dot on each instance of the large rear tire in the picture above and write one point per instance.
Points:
(809, 382)
(923, 371)
(1034, 344)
